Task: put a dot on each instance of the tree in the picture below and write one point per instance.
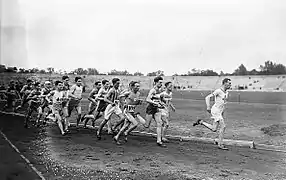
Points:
(51, 70)
(279, 69)
(42, 71)
(80, 71)
(253, 72)
(21, 70)
(156, 73)
(270, 68)
(198, 72)
(138, 74)
(241, 70)
(11, 70)
(119, 73)
(221, 73)
(208, 72)
(267, 68)
(34, 70)
(92, 71)
(2, 68)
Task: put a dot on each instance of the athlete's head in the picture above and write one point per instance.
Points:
(135, 86)
(37, 85)
(158, 81)
(116, 82)
(130, 84)
(169, 86)
(97, 84)
(105, 84)
(78, 81)
(12, 83)
(48, 84)
(29, 82)
(65, 79)
(59, 85)
(226, 82)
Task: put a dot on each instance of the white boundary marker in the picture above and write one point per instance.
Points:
(23, 157)
(241, 143)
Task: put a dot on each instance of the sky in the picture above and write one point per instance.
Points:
(143, 35)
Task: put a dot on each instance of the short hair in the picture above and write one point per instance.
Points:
(225, 80)
(115, 80)
(167, 83)
(157, 79)
(65, 77)
(47, 82)
(37, 83)
(77, 78)
(103, 82)
(132, 83)
(96, 83)
(58, 82)
(29, 81)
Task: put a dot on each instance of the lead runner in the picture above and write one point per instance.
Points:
(217, 111)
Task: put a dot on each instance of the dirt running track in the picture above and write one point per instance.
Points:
(79, 155)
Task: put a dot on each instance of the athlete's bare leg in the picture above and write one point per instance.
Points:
(60, 123)
(164, 128)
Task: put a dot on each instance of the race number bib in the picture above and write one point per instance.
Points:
(131, 108)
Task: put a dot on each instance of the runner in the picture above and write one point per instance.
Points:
(75, 95)
(92, 105)
(11, 96)
(44, 104)
(217, 111)
(34, 101)
(152, 110)
(25, 91)
(101, 104)
(132, 117)
(166, 98)
(58, 99)
(112, 98)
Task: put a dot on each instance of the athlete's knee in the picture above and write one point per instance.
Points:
(159, 122)
(135, 123)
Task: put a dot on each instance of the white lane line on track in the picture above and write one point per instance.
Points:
(23, 157)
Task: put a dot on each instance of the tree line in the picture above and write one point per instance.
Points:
(268, 68)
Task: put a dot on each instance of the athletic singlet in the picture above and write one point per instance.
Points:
(131, 101)
(57, 99)
(76, 91)
(156, 97)
(102, 93)
(113, 95)
(166, 98)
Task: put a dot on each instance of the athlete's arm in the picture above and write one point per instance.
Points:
(90, 97)
(23, 89)
(208, 99)
(49, 96)
(70, 93)
(99, 95)
(139, 101)
(108, 95)
(32, 95)
(42, 93)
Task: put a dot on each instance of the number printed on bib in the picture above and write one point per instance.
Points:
(131, 108)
